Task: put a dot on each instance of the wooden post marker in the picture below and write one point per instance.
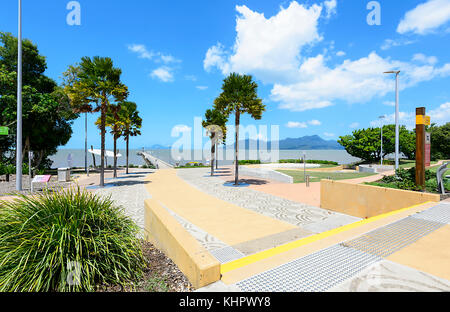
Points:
(421, 121)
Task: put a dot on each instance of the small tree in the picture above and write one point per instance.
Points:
(95, 81)
(215, 123)
(366, 143)
(440, 141)
(239, 96)
(131, 123)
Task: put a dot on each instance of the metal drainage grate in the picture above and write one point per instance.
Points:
(391, 238)
(440, 213)
(313, 273)
(227, 254)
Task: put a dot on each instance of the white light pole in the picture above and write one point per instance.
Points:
(397, 117)
(19, 104)
(381, 154)
(85, 145)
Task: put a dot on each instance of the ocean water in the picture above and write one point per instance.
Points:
(76, 157)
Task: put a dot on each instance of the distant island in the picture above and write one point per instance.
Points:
(313, 142)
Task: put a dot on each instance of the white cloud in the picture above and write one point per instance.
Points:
(389, 103)
(329, 135)
(274, 50)
(202, 88)
(340, 53)
(215, 57)
(294, 124)
(330, 7)
(314, 122)
(180, 129)
(440, 116)
(354, 125)
(268, 47)
(168, 58)
(141, 50)
(163, 73)
(420, 57)
(356, 81)
(389, 43)
(190, 77)
(159, 57)
(426, 17)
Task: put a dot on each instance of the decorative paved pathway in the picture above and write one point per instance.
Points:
(307, 217)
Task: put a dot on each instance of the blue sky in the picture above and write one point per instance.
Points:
(319, 64)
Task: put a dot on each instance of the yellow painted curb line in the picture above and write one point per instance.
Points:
(230, 266)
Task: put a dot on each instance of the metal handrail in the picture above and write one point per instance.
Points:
(440, 177)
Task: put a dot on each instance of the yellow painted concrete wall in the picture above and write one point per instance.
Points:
(166, 234)
(365, 201)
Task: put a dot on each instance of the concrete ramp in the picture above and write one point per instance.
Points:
(151, 160)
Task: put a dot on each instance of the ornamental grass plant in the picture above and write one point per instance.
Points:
(69, 240)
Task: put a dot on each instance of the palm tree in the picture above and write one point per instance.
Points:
(131, 122)
(113, 121)
(215, 124)
(95, 81)
(239, 96)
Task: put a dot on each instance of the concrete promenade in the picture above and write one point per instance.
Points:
(261, 248)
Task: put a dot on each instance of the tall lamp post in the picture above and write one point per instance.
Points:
(381, 154)
(397, 117)
(19, 104)
(85, 145)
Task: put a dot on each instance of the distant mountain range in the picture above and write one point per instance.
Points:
(158, 147)
(313, 142)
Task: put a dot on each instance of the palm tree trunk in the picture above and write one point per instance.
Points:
(102, 148)
(213, 147)
(128, 142)
(217, 158)
(115, 154)
(236, 172)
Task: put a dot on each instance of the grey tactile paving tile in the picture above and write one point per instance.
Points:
(439, 213)
(393, 237)
(227, 254)
(316, 272)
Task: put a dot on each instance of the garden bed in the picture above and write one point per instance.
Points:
(405, 180)
(160, 275)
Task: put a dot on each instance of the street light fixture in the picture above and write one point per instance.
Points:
(381, 154)
(397, 117)
(19, 104)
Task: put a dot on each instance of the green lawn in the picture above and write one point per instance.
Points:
(406, 164)
(317, 176)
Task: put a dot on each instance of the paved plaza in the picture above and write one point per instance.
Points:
(329, 251)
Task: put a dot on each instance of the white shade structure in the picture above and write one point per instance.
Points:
(107, 153)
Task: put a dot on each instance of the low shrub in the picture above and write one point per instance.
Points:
(300, 161)
(45, 240)
(405, 179)
(249, 162)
